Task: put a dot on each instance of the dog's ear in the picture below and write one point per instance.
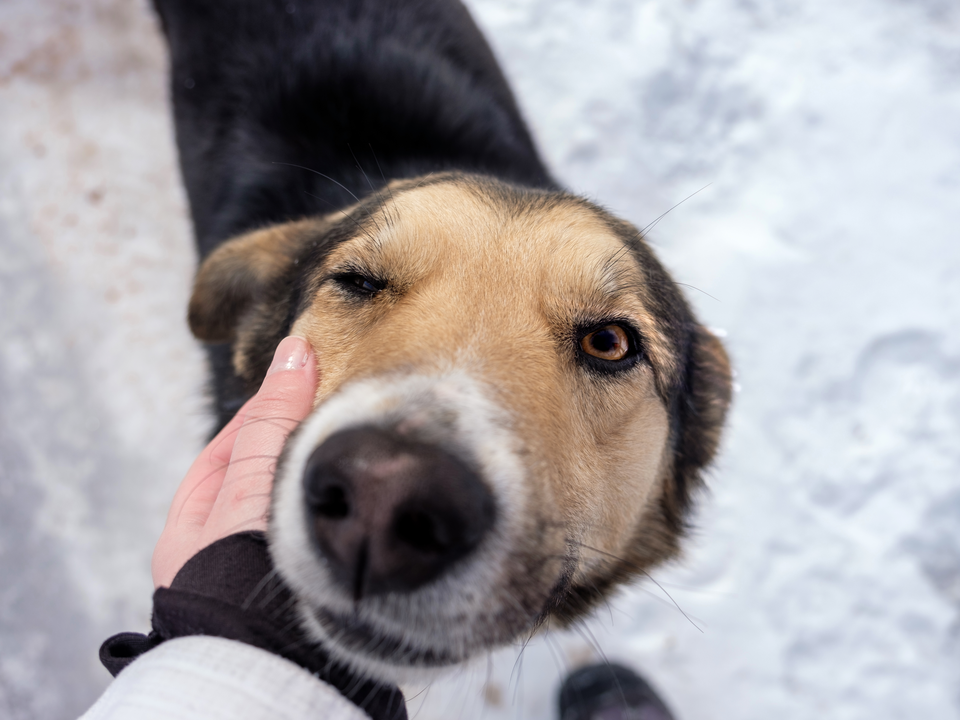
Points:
(703, 409)
(710, 384)
(239, 272)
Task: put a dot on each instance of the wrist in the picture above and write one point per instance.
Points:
(230, 589)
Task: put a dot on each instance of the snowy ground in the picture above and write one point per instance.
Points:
(825, 576)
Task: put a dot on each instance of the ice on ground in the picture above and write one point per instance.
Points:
(818, 146)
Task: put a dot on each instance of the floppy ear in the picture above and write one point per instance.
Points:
(703, 409)
(238, 273)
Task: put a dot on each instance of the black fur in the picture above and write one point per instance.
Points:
(286, 110)
(361, 91)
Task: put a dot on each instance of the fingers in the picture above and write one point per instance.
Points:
(285, 398)
(227, 489)
(192, 504)
(198, 492)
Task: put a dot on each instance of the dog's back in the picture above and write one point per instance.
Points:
(362, 91)
(285, 110)
(516, 401)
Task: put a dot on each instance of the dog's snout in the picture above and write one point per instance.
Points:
(390, 513)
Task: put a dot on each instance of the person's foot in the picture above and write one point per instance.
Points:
(609, 692)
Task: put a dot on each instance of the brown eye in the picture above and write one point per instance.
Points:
(608, 343)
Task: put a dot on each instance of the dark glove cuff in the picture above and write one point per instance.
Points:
(231, 590)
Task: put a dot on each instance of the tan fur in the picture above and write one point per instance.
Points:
(499, 295)
(480, 283)
(220, 292)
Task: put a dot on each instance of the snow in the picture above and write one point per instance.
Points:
(822, 140)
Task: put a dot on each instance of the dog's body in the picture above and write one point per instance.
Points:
(515, 401)
(363, 91)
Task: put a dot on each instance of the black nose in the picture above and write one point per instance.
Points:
(390, 513)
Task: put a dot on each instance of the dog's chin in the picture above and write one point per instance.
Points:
(376, 652)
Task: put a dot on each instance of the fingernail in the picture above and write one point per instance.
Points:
(291, 354)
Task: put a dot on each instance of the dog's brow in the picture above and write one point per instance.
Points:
(616, 274)
(366, 247)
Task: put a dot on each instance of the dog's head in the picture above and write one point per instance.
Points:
(515, 405)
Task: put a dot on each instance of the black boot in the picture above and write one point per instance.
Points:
(609, 692)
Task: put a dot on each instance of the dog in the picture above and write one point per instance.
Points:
(516, 403)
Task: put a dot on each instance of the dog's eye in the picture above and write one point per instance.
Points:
(360, 284)
(610, 342)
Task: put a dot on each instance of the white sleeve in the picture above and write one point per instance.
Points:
(210, 678)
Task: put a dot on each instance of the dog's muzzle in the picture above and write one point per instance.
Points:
(390, 513)
(398, 520)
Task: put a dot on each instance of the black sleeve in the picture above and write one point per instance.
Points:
(231, 590)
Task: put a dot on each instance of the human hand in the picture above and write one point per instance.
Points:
(227, 489)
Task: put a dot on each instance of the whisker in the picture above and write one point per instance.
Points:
(353, 687)
(284, 607)
(694, 287)
(582, 628)
(422, 691)
(343, 212)
(516, 603)
(676, 604)
(260, 586)
(317, 172)
(383, 206)
(360, 167)
(641, 570)
(518, 667)
(666, 603)
(369, 697)
(562, 670)
(385, 183)
(340, 184)
(276, 590)
(426, 693)
(653, 224)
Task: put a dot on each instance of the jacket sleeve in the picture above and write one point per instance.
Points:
(209, 678)
(229, 592)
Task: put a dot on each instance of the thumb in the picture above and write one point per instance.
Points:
(290, 382)
(284, 399)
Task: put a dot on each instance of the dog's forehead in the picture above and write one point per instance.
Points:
(550, 239)
(495, 256)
